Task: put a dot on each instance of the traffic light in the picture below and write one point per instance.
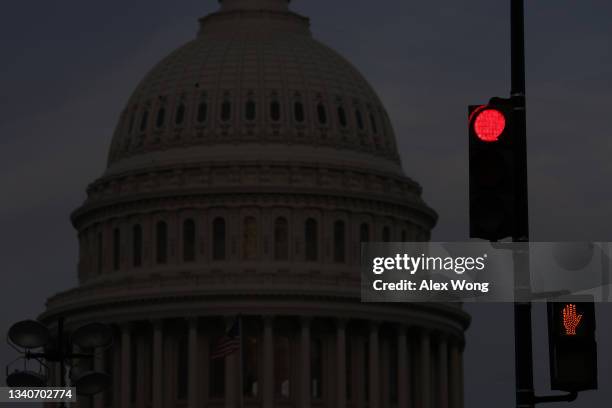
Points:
(572, 344)
(493, 167)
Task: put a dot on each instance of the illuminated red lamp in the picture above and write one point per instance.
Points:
(489, 125)
(571, 319)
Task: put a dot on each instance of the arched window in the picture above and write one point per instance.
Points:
(180, 114)
(298, 111)
(100, 253)
(364, 232)
(218, 239)
(386, 234)
(275, 111)
(249, 238)
(132, 120)
(342, 117)
(250, 110)
(202, 111)
(116, 249)
(161, 117)
(189, 240)
(322, 114)
(311, 240)
(226, 111)
(144, 120)
(137, 246)
(373, 123)
(359, 119)
(161, 233)
(84, 247)
(281, 239)
(339, 241)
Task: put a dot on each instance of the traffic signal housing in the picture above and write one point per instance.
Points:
(493, 167)
(572, 344)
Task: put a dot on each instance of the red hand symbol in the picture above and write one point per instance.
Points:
(571, 319)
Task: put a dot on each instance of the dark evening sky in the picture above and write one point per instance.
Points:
(68, 68)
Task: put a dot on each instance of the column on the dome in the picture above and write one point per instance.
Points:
(385, 371)
(443, 391)
(341, 363)
(403, 362)
(126, 368)
(456, 376)
(116, 374)
(158, 355)
(374, 367)
(305, 376)
(141, 369)
(98, 366)
(205, 369)
(359, 390)
(193, 363)
(453, 374)
(232, 373)
(268, 362)
(145, 367)
(424, 370)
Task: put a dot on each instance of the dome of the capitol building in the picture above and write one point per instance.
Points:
(245, 171)
(254, 81)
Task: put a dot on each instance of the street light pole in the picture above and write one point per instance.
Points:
(60, 349)
(30, 334)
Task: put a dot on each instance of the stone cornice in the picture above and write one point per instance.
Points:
(128, 307)
(411, 208)
(255, 173)
(291, 184)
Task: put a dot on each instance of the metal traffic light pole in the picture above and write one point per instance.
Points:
(522, 309)
(509, 200)
(525, 393)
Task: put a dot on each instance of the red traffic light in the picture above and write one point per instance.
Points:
(489, 124)
(493, 168)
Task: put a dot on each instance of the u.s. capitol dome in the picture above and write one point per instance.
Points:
(245, 170)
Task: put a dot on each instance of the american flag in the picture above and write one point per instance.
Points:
(229, 343)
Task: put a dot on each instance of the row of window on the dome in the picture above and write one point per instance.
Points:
(250, 115)
(249, 244)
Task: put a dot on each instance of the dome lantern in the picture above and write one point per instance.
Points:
(273, 5)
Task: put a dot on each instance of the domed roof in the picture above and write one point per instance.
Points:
(254, 84)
